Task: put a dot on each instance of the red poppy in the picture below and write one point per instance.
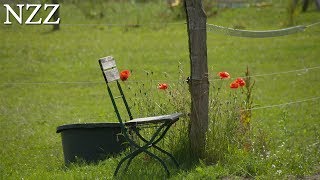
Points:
(241, 82)
(234, 85)
(224, 75)
(124, 75)
(163, 86)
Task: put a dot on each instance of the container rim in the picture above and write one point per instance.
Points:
(87, 126)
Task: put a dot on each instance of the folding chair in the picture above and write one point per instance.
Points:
(164, 122)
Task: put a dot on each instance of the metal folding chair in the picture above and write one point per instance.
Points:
(164, 122)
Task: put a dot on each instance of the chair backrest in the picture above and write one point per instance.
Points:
(111, 74)
(109, 69)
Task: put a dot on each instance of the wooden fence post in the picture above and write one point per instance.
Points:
(56, 16)
(198, 82)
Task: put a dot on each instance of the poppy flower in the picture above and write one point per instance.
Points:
(163, 86)
(234, 85)
(224, 75)
(241, 82)
(124, 75)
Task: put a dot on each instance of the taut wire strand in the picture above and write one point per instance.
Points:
(156, 80)
(314, 24)
(283, 104)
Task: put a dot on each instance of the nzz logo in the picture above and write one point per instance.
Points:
(36, 9)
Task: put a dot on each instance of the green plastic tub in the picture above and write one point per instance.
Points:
(91, 142)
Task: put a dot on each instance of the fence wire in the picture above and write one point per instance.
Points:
(210, 28)
(258, 34)
(79, 119)
(148, 81)
(283, 104)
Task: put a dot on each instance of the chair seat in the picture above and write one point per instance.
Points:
(155, 119)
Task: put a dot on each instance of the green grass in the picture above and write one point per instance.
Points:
(287, 138)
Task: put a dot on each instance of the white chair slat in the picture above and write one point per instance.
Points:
(111, 74)
(108, 62)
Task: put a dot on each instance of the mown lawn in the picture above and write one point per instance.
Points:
(52, 78)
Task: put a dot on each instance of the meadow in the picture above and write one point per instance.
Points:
(50, 78)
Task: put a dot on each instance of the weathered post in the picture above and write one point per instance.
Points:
(198, 82)
(56, 16)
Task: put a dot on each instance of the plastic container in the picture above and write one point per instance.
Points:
(91, 142)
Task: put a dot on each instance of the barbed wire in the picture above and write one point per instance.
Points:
(155, 80)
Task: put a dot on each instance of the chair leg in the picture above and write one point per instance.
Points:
(168, 154)
(157, 147)
(160, 160)
(152, 155)
(151, 143)
(167, 127)
(135, 153)
(129, 162)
